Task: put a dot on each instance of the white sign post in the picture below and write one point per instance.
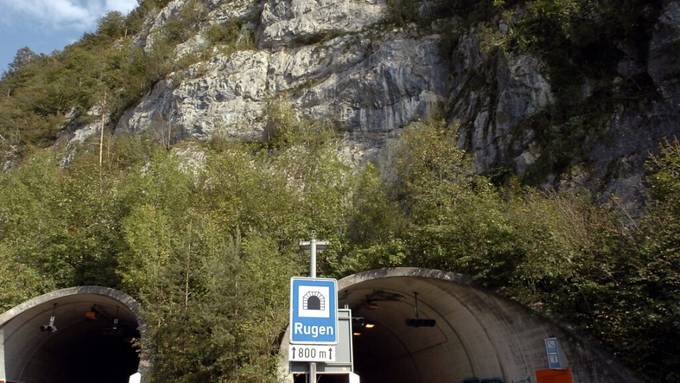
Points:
(297, 310)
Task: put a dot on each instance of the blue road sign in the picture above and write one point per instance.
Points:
(552, 351)
(313, 311)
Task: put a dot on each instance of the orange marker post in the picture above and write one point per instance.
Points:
(550, 375)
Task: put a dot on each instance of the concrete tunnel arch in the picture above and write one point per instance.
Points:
(83, 349)
(478, 334)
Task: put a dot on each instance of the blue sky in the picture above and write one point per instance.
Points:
(48, 25)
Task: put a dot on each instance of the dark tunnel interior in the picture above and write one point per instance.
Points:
(75, 339)
(388, 347)
(383, 351)
(415, 330)
(88, 351)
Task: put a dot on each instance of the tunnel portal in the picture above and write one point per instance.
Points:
(81, 334)
(458, 333)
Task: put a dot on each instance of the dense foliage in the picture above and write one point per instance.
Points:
(40, 92)
(198, 233)
(199, 247)
(557, 253)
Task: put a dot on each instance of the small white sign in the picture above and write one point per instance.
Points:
(552, 351)
(354, 378)
(311, 353)
(136, 377)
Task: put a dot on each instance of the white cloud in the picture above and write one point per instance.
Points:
(124, 6)
(68, 14)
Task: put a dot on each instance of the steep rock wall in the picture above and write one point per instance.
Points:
(341, 61)
(364, 86)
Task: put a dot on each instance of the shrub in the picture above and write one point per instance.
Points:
(227, 33)
(284, 128)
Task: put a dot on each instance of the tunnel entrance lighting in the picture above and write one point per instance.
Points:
(50, 327)
(91, 314)
(421, 322)
(417, 321)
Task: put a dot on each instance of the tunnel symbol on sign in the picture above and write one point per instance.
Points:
(314, 301)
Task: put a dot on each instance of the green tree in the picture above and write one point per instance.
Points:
(23, 57)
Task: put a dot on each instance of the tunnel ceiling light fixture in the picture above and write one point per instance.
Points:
(417, 321)
(92, 313)
(356, 333)
(116, 329)
(50, 326)
(115, 320)
(361, 323)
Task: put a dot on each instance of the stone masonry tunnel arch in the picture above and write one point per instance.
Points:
(477, 334)
(89, 345)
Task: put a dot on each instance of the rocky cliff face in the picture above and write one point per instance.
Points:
(333, 61)
(339, 61)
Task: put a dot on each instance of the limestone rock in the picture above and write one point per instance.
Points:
(191, 46)
(218, 11)
(522, 90)
(618, 155)
(157, 23)
(193, 159)
(492, 101)
(9, 155)
(304, 67)
(225, 11)
(363, 85)
(99, 120)
(664, 60)
(389, 84)
(228, 98)
(286, 21)
(337, 61)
